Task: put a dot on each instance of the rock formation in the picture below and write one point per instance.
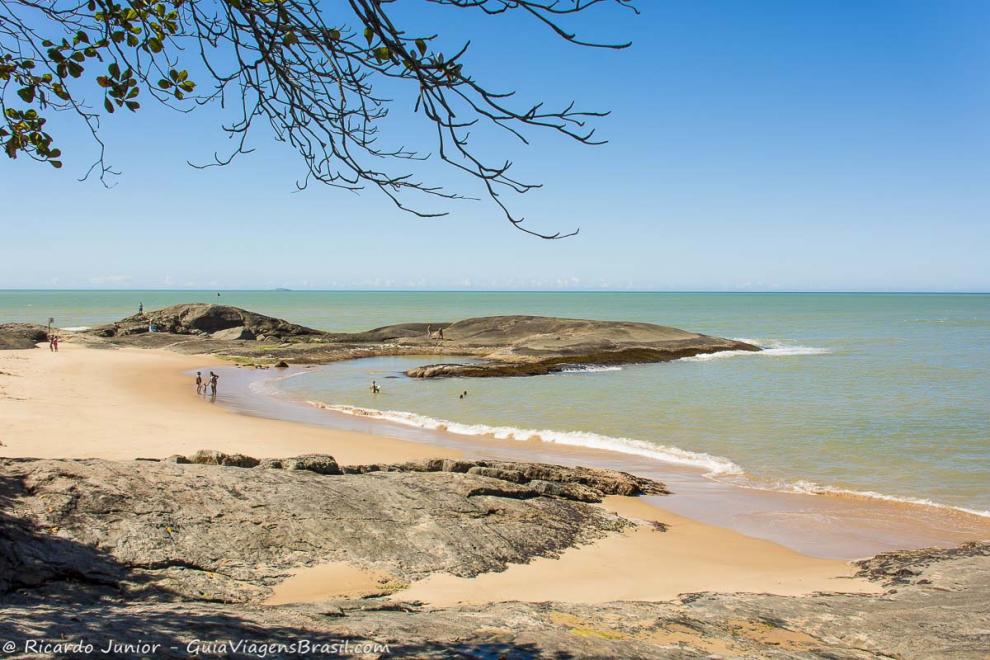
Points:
(221, 321)
(17, 336)
(501, 345)
(172, 552)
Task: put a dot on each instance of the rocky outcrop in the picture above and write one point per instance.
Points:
(578, 483)
(254, 526)
(542, 479)
(537, 345)
(18, 336)
(171, 553)
(233, 323)
(501, 345)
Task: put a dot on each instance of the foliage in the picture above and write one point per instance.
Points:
(309, 76)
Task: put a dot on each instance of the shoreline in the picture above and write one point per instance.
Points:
(105, 398)
(128, 403)
(831, 524)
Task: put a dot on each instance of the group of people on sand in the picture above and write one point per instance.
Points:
(53, 343)
(208, 385)
(430, 334)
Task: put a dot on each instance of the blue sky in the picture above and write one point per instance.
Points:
(753, 146)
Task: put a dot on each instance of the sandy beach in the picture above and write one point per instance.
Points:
(122, 404)
(131, 403)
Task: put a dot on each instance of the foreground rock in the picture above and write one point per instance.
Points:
(172, 552)
(198, 522)
(19, 336)
(503, 345)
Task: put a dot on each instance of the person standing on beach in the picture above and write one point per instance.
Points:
(213, 383)
(51, 342)
(199, 382)
(140, 308)
(55, 343)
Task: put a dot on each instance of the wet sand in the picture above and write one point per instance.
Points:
(123, 404)
(830, 526)
(128, 403)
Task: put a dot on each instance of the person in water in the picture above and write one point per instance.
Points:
(199, 382)
(213, 383)
(374, 388)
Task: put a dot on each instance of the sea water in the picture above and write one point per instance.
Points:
(880, 393)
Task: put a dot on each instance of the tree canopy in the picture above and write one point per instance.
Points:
(309, 68)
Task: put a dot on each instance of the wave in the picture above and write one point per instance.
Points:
(713, 465)
(716, 467)
(812, 488)
(771, 348)
(589, 369)
(76, 328)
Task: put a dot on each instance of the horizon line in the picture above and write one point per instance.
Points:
(576, 291)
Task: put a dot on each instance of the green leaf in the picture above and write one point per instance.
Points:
(164, 84)
(114, 70)
(26, 93)
(421, 45)
(334, 34)
(369, 34)
(107, 104)
(57, 164)
(133, 105)
(154, 45)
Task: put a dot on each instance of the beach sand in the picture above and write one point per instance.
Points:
(122, 404)
(648, 564)
(128, 403)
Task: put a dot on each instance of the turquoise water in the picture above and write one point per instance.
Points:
(868, 392)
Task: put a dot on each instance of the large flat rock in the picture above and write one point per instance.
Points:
(170, 553)
(501, 345)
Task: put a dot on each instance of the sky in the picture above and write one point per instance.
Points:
(753, 146)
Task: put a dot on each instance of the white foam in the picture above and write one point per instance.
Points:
(589, 369)
(713, 465)
(76, 328)
(770, 348)
(812, 488)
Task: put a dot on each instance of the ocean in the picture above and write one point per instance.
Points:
(885, 394)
